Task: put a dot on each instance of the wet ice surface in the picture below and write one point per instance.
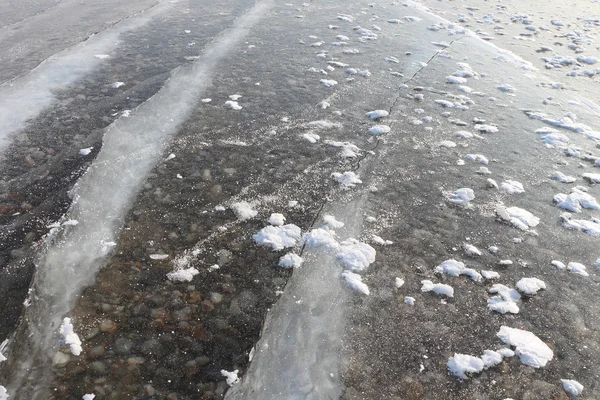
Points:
(144, 334)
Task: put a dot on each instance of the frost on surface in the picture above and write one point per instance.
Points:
(347, 179)
(354, 255)
(70, 338)
(230, 377)
(572, 387)
(518, 217)
(460, 197)
(531, 350)
(438, 288)
(278, 237)
(290, 260)
(183, 275)
(505, 301)
(530, 286)
(243, 210)
(354, 282)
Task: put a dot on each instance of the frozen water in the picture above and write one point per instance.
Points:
(183, 275)
(276, 219)
(461, 197)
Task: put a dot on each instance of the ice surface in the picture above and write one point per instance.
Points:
(531, 350)
(355, 255)
(354, 282)
(243, 210)
(183, 275)
(461, 197)
(70, 337)
(530, 286)
(278, 237)
(25, 97)
(461, 364)
(438, 288)
(290, 260)
(518, 217)
(572, 387)
(505, 301)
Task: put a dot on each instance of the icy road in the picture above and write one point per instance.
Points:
(326, 200)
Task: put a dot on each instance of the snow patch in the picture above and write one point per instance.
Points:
(70, 338)
(531, 350)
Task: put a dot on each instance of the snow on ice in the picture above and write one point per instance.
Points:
(290, 260)
(531, 350)
(278, 237)
(70, 338)
(530, 286)
(243, 210)
(438, 288)
(354, 282)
